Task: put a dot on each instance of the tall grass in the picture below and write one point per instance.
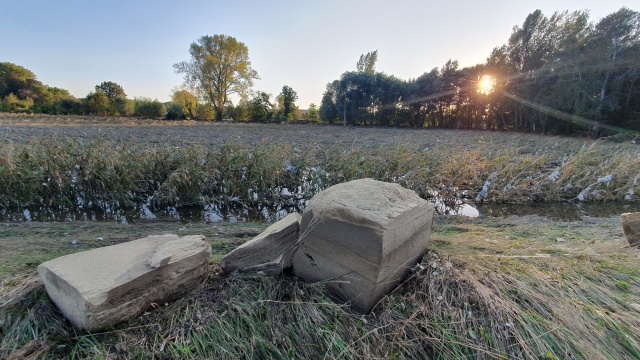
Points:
(69, 173)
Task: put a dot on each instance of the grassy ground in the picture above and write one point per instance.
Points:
(489, 288)
(70, 162)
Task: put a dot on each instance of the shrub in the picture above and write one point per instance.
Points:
(71, 106)
(175, 112)
(205, 112)
(97, 103)
(147, 108)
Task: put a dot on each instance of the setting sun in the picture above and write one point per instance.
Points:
(486, 84)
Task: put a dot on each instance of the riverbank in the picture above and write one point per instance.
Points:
(489, 288)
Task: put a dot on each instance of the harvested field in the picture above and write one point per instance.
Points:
(20, 128)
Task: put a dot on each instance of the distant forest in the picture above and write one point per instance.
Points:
(562, 74)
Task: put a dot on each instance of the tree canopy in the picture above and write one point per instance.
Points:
(111, 90)
(187, 101)
(20, 90)
(367, 63)
(289, 97)
(219, 66)
(560, 73)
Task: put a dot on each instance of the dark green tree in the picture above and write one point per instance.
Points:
(260, 107)
(328, 105)
(97, 103)
(111, 90)
(289, 97)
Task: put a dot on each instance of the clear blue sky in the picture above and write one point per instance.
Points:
(304, 44)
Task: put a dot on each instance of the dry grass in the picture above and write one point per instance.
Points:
(70, 163)
(485, 291)
(490, 288)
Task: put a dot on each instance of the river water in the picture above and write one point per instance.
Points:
(565, 211)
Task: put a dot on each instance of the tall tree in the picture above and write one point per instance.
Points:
(260, 107)
(219, 66)
(617, 38)
(529, 43)
(116, 96)
(188, 101)
(289, 97)
(329, 103)
(367, 63)
(111, 90)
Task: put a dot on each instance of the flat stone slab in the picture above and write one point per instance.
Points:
(362, 237)
(631, 227)
(98, 288)
(270, 252)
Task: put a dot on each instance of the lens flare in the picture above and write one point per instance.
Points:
(486, 84)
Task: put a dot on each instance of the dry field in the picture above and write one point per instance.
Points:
(56, 162)
(519, 287)
(20, 128)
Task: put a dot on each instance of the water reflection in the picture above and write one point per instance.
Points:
(559, 211)
(236, 212)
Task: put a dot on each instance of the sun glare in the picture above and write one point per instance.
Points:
(486, 84)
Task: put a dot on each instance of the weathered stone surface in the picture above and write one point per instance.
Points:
(631, 227)
(271, 251)
(101, 287)
(362, 237)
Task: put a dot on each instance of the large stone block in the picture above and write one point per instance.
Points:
(631, 227)
(271, 251)
(362, 237)
(101, 287)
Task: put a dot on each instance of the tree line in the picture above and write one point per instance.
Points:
(561, 74)
(20, 91)
(558, 74)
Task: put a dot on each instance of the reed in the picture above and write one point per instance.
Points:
(72, 173)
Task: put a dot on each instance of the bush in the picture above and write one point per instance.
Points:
(147, 108)
(124, 107)
(71, 106)
(175, 112)
(97, 103)
(205, 112)
(14, 104)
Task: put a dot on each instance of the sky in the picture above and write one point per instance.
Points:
(76, 45)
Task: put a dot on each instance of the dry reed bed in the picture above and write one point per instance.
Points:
(64, 171)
